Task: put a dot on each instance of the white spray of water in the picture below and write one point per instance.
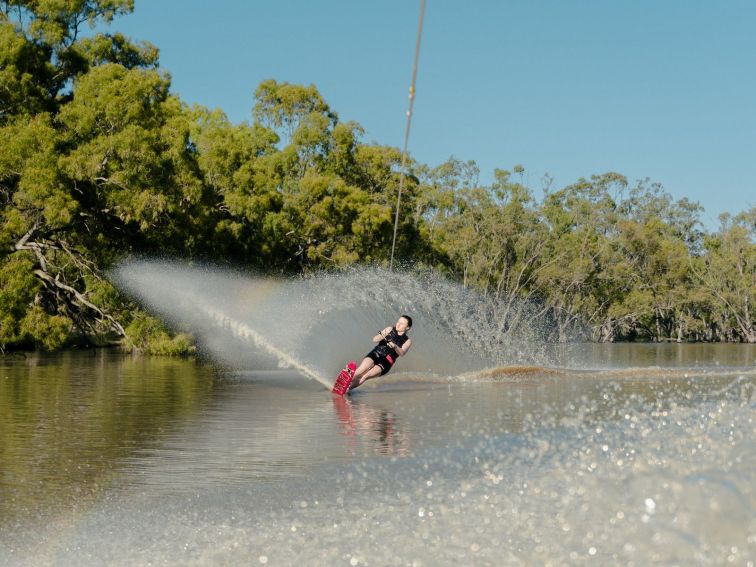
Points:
(315, 324)
(244, 331)
(221, 308)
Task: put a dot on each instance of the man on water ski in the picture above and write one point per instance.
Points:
(393, 342)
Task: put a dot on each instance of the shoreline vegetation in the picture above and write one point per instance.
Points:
(100, 161)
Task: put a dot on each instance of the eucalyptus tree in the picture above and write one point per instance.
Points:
(728, 272)
(93, 159)
(489, 236)
(319, 205)
(583, 275)
(657, 237)
(42, 50)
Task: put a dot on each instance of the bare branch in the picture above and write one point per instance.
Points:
(56, 283)
(22, 241)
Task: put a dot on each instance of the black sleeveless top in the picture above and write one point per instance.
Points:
(393, 337)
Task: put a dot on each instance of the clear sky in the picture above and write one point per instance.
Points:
(664, 89)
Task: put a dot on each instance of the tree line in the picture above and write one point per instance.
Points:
(99, 160)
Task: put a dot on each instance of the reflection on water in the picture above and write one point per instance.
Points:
(109, 459)
(68, 421)
(370, 429)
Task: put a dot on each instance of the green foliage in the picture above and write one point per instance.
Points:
(148, 335)
(21, 320)
(18, 286)
(729, 272)
(46, 332)
(331, 221)
(40, 50)
(24, 72)
(291, 108)
(117, 48)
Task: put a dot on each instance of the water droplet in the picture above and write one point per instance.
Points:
(650, 505)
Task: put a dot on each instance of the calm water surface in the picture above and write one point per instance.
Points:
(625, 454)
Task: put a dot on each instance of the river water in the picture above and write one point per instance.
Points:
(617, 455)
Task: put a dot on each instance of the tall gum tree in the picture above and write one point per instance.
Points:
(74, 151)
(322, 213)
(729, 273)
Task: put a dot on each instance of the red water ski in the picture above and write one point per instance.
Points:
(344, 379)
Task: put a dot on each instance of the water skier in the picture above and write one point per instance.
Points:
(393, 342)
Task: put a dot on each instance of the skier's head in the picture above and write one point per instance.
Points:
(404, 323)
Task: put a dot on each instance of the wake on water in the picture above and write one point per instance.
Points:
(315, 324)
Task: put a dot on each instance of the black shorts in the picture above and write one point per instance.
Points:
(382, 359)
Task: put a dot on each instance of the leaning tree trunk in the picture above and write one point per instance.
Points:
(90, 318)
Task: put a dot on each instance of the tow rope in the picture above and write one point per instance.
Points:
(407, 128)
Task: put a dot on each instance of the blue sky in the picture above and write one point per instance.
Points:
(662, 89)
